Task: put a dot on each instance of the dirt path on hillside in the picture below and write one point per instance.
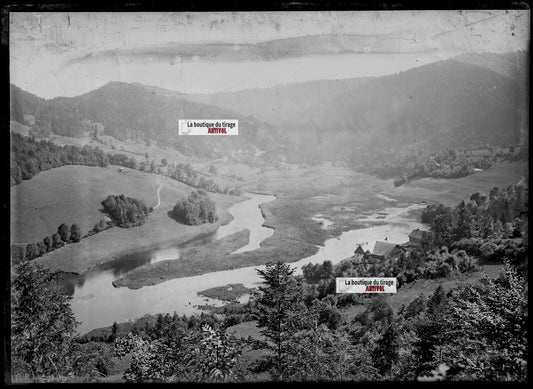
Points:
(158, 196)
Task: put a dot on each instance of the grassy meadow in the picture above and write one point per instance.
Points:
(72, 194)
(451, 191)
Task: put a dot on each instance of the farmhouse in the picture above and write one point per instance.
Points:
(416, 236)
(358, 254)
(386, 250)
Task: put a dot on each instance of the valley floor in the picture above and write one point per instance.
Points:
(338, 195)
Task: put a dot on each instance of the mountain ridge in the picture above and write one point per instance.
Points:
(467, 100)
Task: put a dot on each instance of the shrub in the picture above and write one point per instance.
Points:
(196, 209)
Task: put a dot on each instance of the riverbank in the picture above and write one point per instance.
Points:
(296, 234)
(394, 223)
(216, 257)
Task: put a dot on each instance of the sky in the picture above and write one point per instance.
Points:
(68, 54)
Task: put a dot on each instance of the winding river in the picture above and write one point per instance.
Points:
(96, 303)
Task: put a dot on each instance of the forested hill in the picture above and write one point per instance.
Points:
(469, 100)
(132, 111)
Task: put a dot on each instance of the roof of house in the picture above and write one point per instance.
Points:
(359, 250)
(383, 248)
(417, 234)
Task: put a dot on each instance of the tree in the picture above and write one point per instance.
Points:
(280, 313)
(416, 306)
(180, 353)
(152, 166)
(164, 162)
(442, 227)
(150, 361)
(125, 211)
(196, 209)
(75, 233)
(491, 317)
(213, 170)
(216, 355)
(91, 360)
(41, 248)
(48, 243)
(31, 251)
(56, 240)
(63, 231)
(327, 269)
(463, 223)
(320, 354)
(114, 330)
(42, 322)
(18, 253)
(437, 300)
(100, 226)
(385, 354)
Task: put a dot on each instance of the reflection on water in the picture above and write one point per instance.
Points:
(96, 303)
(116, 268)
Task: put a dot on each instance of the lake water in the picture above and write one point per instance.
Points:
(96, 303)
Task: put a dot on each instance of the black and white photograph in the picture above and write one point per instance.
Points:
(264, 196)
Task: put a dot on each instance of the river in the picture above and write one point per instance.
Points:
(96, 303)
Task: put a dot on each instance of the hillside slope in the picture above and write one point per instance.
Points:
(465, 101)
(129, 111)
(470, 100)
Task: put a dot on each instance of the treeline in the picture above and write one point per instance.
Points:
(410, 266)
(196, 209)
(308, 338)
(412, 163)
(122, 160)
(151, 326)
(129, 111)
(184, 172)
(305, 337)
(42, 353)
(493, 227)
(63, 236)
(29, 157)
(126, 211)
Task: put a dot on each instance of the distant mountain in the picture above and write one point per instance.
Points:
(133, 111)
(282, 104)
(469, 100)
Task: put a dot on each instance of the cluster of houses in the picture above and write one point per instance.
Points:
(386, 250)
